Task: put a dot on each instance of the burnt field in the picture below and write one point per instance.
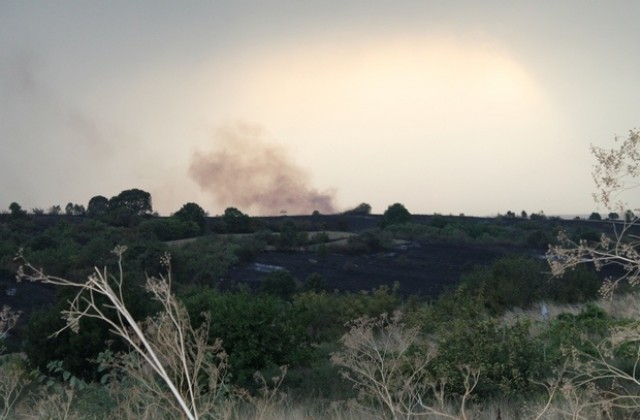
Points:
(419, 268)
(424, 267)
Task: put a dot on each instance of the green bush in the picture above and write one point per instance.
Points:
(280, 283)
(581, 332)
(258, 331)
(507, 357)
(508, 283)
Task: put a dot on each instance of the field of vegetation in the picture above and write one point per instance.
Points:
(114, 312)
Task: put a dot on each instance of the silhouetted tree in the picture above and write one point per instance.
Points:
(135, 200)
(236, 221)
(191, 212)
(74, 209)
(55, 210)
(395, 214)
(98, 206)
(16, 210)
(538, 216)
(362, 209)
(629, 216)
(595, 216)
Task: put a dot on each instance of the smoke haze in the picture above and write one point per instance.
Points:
(245, 171)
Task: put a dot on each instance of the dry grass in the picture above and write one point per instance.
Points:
(622, 306)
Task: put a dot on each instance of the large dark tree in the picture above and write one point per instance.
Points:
(16, 210)
(135, 200)
(98, 206)
(191, 212)
(236, 221)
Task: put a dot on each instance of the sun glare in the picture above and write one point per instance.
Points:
(415, 101)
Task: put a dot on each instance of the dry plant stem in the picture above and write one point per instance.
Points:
(617, 171)
(13, 380)
(125, 325)
(621, 250)
(379, 357)
(8, 319)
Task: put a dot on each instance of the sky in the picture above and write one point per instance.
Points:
(281, 106)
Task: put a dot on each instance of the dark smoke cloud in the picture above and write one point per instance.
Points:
(246, 172)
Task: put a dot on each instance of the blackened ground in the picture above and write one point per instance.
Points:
(25, 297)
(420, 268)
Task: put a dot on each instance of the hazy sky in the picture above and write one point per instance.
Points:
(445, 106)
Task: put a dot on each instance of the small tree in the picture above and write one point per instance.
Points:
(236, 221)
(74, 209)
(55, 210)
(98, 206)
(362, 209)
(629, 217)
(595, 216)
(16, 210)
(395, 214)
(191, 212)
(538, 216)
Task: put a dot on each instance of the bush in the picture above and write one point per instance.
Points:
(508, 283)
(595, 216)
(507, 357)
(280, 283)
(257, 331)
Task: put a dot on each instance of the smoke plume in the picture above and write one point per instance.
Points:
(246, 172)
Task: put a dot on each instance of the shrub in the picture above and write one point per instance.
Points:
(507, 358)
(280, 283)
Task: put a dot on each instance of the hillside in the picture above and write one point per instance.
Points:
(424, 260)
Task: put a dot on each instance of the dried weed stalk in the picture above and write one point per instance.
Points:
(14, 379)
(171, 361)
(387, 363)
(616, 172)
(8, 320)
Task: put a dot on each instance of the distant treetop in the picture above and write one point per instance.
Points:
(361, 209)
